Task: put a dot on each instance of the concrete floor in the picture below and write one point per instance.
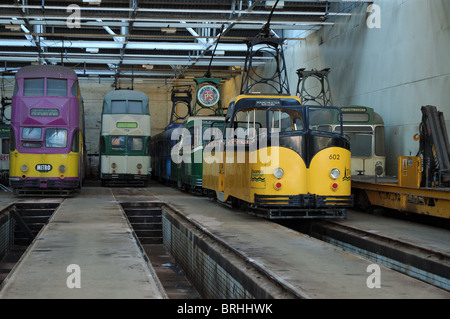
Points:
(313, 267)
(88, 230)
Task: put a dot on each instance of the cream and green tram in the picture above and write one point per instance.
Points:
(125, 138)
(365, 130)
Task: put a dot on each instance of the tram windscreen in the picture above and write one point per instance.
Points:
(285, 120)
(31, 133)
(320, 116)
(55, 137)
(135, 143)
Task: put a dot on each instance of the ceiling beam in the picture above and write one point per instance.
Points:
(181, 10)
(185, 46)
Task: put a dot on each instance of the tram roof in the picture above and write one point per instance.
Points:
(48, 71)
(126, 95)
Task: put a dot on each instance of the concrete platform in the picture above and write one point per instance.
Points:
(428, 237)
(88, 230)
(311, 267)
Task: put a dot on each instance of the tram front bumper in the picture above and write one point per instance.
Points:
(303, 201)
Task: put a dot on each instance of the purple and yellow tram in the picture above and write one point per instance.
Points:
(47, 131)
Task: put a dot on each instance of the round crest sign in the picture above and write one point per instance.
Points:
(208, 95)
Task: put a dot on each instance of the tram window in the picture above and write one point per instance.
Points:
(76, 141)
(16, 88)
(355, 117)
(148, 146)
(5, 146)
(360, 144)
(12, 138)
(380, 148)
(56, 87)
(283, 121)
(74, 89)
(31, 133)
(33, 87)
(135, 143)
(55, 137)
(102, 144)
(196, 136)
(118, 143)
(324, 128)
(118, 106)
(215, 130)
(135, 107)
(319, 116)
(249, 122)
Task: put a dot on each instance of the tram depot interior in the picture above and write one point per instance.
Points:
(389, 55)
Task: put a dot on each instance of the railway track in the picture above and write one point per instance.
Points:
(419, 261)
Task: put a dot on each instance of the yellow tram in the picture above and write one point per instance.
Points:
(275, 158)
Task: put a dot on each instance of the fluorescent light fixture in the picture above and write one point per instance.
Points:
(13, 27)
(169, 30)
(270, 4)
(93, 2)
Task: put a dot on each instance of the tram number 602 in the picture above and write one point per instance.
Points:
(334, 157)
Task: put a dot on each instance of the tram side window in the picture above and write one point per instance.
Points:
(12, 137)
(5, 146)
(16, 88)
(380, 147)
(102, 144)
(33, 87)
(56, 87)
(74, 89)
(76, 141)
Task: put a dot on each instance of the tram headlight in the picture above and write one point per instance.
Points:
(335, 173)
(24, 168)
(139, 166)
(113, 165)
(62, 168)
(379, 170)
(278, 172)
